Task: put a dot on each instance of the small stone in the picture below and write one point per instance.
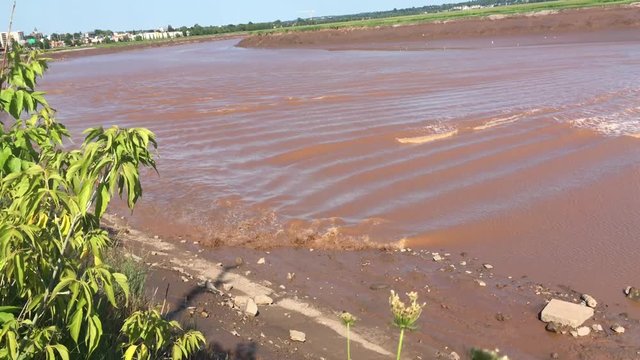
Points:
(263, 300)
(239, 261)
(251, 308)
(184, 279)
(235, 333)
(463, 263)
(297, 336)
(227, 287)
(632, 293)
(552, 327)
(488, 266)
(437, 258)
(247, 273)
(502, 317)
(204, 314)
(557, 328)
(583, 331)
(589, 300)
(454, 356)
(565, 313)
(261, 261)
(555, 355)
(291, 276)
(618, 329)
(282, 287)
(597, 327)
(378, 286)
(480, 283)
(156, 237)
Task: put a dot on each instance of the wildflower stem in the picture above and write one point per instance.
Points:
(348, 343)
(400, 343)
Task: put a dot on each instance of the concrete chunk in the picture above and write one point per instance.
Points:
(263, 300)
(297, 336)
(251, 308)
(566, 313)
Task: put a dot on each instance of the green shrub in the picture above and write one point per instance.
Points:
(54, 284)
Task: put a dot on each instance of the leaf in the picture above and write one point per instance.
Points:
(108, 289)
(29, 102)
(6, 96)
(61, 349)
(76, 324)
(11, 309)
(6, 317)
(176, 353)
(15, 108)
(131, 351)
(19, 266)
(84, 196)
(102, 199)
(4, 155)
(12, 344)
(95, 332)
(122, 281)
(39, 97)
(15, 165)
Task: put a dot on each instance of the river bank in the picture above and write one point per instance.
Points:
(469, 303)
(71, 53)
(448, 34)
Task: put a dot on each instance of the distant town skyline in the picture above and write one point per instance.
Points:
(68, 16)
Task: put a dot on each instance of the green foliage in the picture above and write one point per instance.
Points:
(54, 283)
(150, 335)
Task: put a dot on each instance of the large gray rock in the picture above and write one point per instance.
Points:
(566, 313)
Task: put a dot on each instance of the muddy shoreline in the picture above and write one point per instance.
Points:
(460, 313)
(550, 23)
(72, 53)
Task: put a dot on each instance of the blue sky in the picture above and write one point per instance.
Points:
(82, 15)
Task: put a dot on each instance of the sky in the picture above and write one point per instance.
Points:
(61, 16)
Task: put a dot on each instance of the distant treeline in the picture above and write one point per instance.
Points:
(212, 30)
(195, 30)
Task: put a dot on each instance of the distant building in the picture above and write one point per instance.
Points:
(17, 36)
(156, 35)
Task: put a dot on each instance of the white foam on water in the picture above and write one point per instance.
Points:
(623, 123)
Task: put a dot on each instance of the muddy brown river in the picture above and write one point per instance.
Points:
(523, 150)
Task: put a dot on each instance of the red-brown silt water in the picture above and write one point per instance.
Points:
(524, 151)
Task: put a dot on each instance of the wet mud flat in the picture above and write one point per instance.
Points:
(521, 151)
(440, 33)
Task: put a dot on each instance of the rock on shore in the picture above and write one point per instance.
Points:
(566, 313)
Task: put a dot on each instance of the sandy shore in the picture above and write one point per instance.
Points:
(547, 23)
